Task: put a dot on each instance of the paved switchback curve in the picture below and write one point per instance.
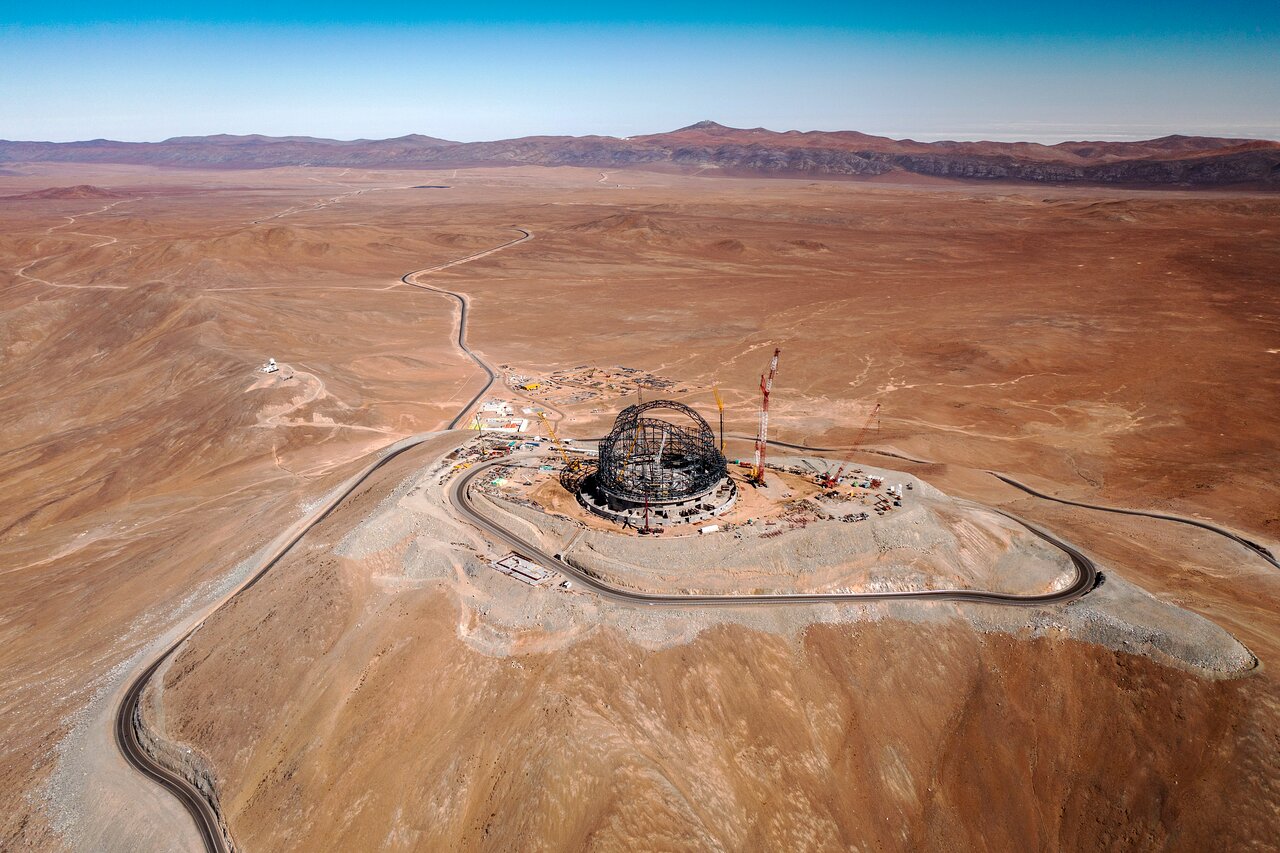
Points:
(1085, 578)
(128, 715)
(464, 306)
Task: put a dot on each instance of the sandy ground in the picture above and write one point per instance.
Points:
(1110, 346)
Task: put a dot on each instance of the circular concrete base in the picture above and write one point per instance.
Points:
(718, 500)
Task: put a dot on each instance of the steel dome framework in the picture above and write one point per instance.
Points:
(649, 459)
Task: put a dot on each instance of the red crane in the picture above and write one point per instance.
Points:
(762, 438)
(828, 480)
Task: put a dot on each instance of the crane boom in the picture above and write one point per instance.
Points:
(762, 438)
(829, 480)
(875, 413)
(555, 440)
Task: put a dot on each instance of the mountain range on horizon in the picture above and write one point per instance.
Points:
(709, 147)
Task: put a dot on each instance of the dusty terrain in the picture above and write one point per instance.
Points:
(730, 729)
(790, 537)
(1120, 347)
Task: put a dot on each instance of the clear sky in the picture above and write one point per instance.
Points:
(927, 70)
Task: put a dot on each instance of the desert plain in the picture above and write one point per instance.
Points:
(380, 689)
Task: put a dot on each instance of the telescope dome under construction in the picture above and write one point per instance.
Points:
(671, 467)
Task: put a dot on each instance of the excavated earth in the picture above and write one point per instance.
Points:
(930, 542)
(384, 687)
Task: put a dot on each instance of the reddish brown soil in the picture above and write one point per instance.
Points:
(1109, 346)
(78, 192)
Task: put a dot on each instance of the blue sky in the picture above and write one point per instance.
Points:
(148, 71)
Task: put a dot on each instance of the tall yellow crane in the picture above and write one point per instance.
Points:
(715, 389)
(569, 463)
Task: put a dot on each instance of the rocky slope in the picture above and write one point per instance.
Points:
(1171, 160)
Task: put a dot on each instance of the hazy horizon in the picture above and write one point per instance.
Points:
(1099, 135)
(142, 72)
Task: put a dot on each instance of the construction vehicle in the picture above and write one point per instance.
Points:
(719, 405)
(828, 481)
(762, 437)
(570, 464)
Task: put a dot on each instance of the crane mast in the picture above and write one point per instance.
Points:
(762, 438)
(715, 389)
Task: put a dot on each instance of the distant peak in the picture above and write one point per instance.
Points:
(706, 124)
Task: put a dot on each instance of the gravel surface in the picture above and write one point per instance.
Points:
(415, 538)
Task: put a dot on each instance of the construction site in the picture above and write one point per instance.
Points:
(779, 523)
(356, 602)
(662, 470)
(590, 383)
(790, 536)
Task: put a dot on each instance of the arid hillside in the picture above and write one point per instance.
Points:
(1110, 346)
(711, 148)
(424, 719)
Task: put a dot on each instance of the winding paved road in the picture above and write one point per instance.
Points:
(127, 718)
(1083, 582)
(1163, 516)
(126, 733)
(128, 715)
(204, 813)
(464, 306)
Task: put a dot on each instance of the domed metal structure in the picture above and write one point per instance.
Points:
(647, 459)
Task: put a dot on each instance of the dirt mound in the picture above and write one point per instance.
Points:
(79, 191)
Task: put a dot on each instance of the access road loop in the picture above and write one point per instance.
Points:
(1084, 581)
(202, 810)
